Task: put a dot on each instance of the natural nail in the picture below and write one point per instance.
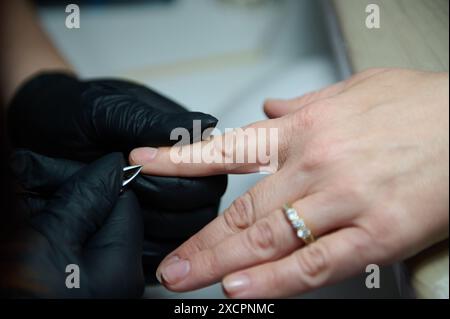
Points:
(165, 262)
(236, 284)
(174, 271)
(144, 155)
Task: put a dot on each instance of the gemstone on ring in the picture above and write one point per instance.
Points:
(298, 223)
(292, 214)
(302, 231)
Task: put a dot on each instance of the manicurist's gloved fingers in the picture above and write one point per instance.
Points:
(32, 204)
(81, 205)
(132, 115)
(143, 126)
(61, 116)
(39, 173)
(44, 175)
(139, 92)
(116, 248)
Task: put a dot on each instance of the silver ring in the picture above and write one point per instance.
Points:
(302, 231)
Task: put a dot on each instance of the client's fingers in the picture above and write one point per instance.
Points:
(270, 238)
(242, 213)
(275, 108)
(247, 150)
(326, 261)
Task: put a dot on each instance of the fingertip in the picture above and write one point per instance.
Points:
(132, 158)
(142, 155)
(187, 120)
(271, 107)
(208, 120)
(236, 285)
(274, 101)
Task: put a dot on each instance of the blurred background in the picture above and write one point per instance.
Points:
(223, 57)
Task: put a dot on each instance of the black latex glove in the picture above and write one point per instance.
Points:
(40, 176)
(87, 222)
(58, 115)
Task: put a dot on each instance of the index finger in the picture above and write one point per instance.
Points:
(243, 150)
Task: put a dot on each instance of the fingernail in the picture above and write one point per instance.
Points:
(175, 271)
(236, 284)
(168, 261)
(144, 155)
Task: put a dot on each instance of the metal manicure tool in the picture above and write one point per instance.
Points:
(130, 173)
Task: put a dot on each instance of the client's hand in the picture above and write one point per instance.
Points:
(365, 163)
(87, 222)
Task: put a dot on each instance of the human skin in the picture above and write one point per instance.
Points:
(365, 162)
(26, 48)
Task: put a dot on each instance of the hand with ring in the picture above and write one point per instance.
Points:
(362, 177)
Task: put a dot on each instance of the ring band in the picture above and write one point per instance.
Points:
(298, 223)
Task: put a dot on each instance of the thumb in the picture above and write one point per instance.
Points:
(82, 204)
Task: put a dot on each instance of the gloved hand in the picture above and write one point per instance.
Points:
(61, 116)
(41, 176)
(87, 222)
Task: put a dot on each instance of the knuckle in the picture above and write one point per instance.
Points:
(261, 237)
(377, 241)
(323, 106)
(274, 280)
(362, 248)
(309, 97)
(220, 146)
(210, 266)
(304, 118)
(195, 244)
(380, 231)
(240, 215)
(317, 154)
(313, 263)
